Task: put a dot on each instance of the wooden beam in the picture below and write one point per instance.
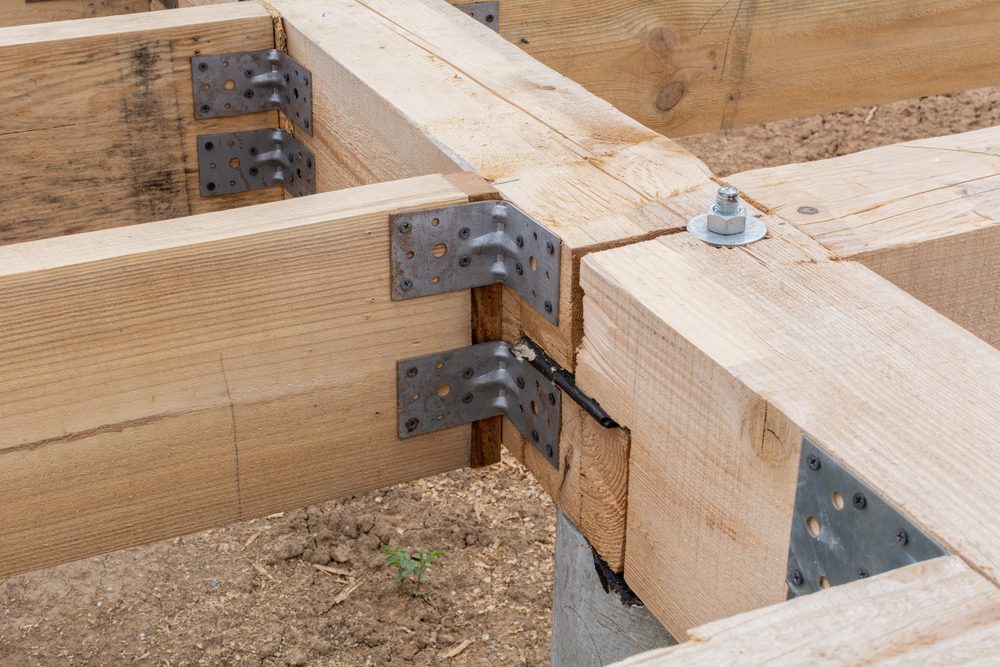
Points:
(934, 613)
(705, 65)
(21, 12)
(407, 86)
(99, 126)
(718, 360)
(922, 214)
(168, 377)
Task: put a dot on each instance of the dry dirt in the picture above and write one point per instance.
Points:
(310, 587)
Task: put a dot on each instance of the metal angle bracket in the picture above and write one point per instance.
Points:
(472, 245)
(446, 389)
(487, 13)
(241, 161)
(233, 84)
(842, 530)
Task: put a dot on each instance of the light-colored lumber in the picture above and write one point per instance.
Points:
(923, 214)
(934, 613)
(705, 65)
(718, 360)
(164, 378)
(21, 12)
(99, 126)
(404, 87)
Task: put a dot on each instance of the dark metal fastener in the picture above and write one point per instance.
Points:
(465, 261)
(859, 500)
(797, 579)
(463, 233)
(468, 398)
(405, 227)
(412, 423)
(548, 451)
(862, 573)
(520, 383)
(548, 306)
(534, 435)
(813, 462)
(406, 284)
(411, 372)
(468, 373)
(902, 537)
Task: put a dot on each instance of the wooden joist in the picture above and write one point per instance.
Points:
(21, 12)
(705, 65)
(934, 613)
(99, 127)
(922, 214)
(406, 87)
(718, 360)
(168, 377)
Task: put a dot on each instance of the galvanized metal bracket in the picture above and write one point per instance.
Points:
(460, 386)
(471, 245)
(487, 13)
(240, 83)
(842, 530)
(241, 161)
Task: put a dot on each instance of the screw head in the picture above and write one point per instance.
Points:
(859, 501)
(205, 108)
(520, 383)
(797, 578)
(902, 537)
(412, 423)
(248, 94)
(468, 398)
(548, 306)
(813, 462)
(463, 233)
(406, 284)
(411, 372)
(550, 247)
(248, 73)
(552, 398)
(405, 227)
(254, 171)
(534, 435)
(519, 269)
(863, 573)
(253, 150)
(465, 261)
(519, 241)
(468, 373)
(202, 67)
(549, 451)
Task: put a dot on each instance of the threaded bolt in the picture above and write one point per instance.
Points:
(727, 200)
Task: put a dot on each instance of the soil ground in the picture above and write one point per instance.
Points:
(310, 587)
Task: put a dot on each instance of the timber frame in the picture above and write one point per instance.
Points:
(171, 362)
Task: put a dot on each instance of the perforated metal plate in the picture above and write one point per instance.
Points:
(487, 13)
(240, 83)
(460, 386)
(842, 530)
(241, 161)
(471, 245)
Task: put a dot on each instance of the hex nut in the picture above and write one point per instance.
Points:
(727, 225)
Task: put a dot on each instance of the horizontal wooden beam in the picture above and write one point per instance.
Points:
(719, 360)
(922, 214)
(168, 377)
(407, 86)
(99, 127)
(938, 612)
(21, 12)
(705, 65)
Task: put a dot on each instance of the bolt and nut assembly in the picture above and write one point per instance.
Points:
(727, 223)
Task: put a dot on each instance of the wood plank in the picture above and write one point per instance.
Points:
(718, 360)
(20, 12)
(704, 65)
(403, 87)
(934, 613)
(164, 378)
(98, 118)
(923, 214)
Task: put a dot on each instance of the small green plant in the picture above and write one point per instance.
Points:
(410, 568)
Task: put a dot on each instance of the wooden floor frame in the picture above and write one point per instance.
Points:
(170, 362)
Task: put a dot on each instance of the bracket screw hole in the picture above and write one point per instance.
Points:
(439, 250)
(209, 145)
(859, 501)
(838, 500)
(444, 390)
(813, 524)
(824, 582)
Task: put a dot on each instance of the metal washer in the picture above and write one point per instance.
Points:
(755, 231)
